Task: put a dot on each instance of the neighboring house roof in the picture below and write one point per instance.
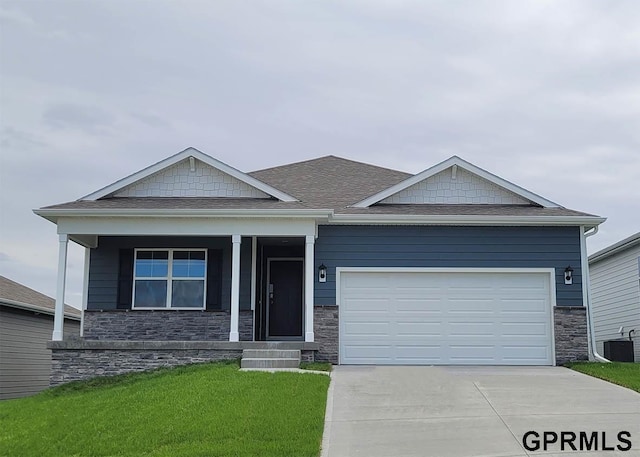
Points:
(16, 295)
(328, 187)
(620, 246)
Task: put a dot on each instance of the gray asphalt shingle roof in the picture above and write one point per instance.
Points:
(16, 292)
(325, 183)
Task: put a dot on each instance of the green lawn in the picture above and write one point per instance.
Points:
(623, 374)
(199, 410)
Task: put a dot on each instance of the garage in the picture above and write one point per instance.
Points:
(450, 316)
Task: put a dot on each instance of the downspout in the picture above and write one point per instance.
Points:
(586, 290)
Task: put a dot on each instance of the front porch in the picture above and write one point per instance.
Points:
(255, 267)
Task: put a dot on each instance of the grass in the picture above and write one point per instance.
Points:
(199, 410)
(623, 374)
(316, 366)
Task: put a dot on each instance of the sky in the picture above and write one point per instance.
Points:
(545, 94)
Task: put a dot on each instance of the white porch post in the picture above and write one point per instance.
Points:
(85, 287)
(58, 318)
(235, 287)
(309, 280)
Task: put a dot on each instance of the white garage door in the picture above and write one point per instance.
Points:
(445, 317)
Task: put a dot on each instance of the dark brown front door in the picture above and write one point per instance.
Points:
(284, 299)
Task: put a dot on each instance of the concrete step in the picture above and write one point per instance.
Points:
(271, 354)
(264, 362)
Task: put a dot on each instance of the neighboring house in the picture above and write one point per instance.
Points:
(192, 260)
(615, 293)
(26, 323)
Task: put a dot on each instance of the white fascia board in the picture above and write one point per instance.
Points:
(377, 219)
(186, 226)
(189, 152)
(455, 160)
(54, 214)
(34, 308)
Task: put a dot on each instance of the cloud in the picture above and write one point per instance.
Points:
(71, 116)
(542, 93)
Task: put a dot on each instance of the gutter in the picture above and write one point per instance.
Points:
(435, 219)
(35, 308)
(586, 291)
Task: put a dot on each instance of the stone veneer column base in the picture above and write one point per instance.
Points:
(326, 329)
(570, 327)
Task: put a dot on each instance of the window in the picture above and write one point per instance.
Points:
(170, 278)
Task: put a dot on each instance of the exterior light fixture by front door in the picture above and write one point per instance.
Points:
(322, 273)
(568, 275)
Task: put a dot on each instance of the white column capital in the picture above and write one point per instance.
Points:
(63, 238)
(236, 239)
(310, 239)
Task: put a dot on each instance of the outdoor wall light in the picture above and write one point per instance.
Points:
(568, 275)
(322, 273)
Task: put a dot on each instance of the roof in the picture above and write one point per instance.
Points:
(620, 246)
(330, 181)
(336, 187)
(16, 295)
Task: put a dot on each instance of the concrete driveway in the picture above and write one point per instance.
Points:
(476, 411)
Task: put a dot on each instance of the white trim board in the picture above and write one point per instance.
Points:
(189, 152)
(456, 161)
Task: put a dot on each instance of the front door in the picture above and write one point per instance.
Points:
(284, 298)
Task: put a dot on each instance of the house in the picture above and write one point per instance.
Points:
(615, 293)
(26, 323)
(191, 259)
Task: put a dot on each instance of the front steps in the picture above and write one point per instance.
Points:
(270, 358)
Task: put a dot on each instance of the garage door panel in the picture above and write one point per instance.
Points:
(524, 329)
(367, 305)
(471, 329)
(366, 328)
(370, 353)
(445, 318)
(419, 305)
(468, 305)
(523, 305)
(420, 329)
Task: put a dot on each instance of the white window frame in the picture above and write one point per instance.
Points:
(169, 279)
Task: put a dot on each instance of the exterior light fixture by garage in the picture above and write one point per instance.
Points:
(322, 273)
(568, 275)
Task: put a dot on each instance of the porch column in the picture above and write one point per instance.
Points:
(309, 280)
(85, 287)
(235, 287)
(58, 317)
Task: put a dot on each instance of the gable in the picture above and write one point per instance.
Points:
(189, 173)
(191, 178)
(460, 187)
(456, 181)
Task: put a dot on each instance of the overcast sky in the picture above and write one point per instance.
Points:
(545, 94)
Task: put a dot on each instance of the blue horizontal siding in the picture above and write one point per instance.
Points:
(103, 267)
(445, 246)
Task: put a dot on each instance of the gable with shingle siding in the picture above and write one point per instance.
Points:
(181, 180)
(462, 188)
